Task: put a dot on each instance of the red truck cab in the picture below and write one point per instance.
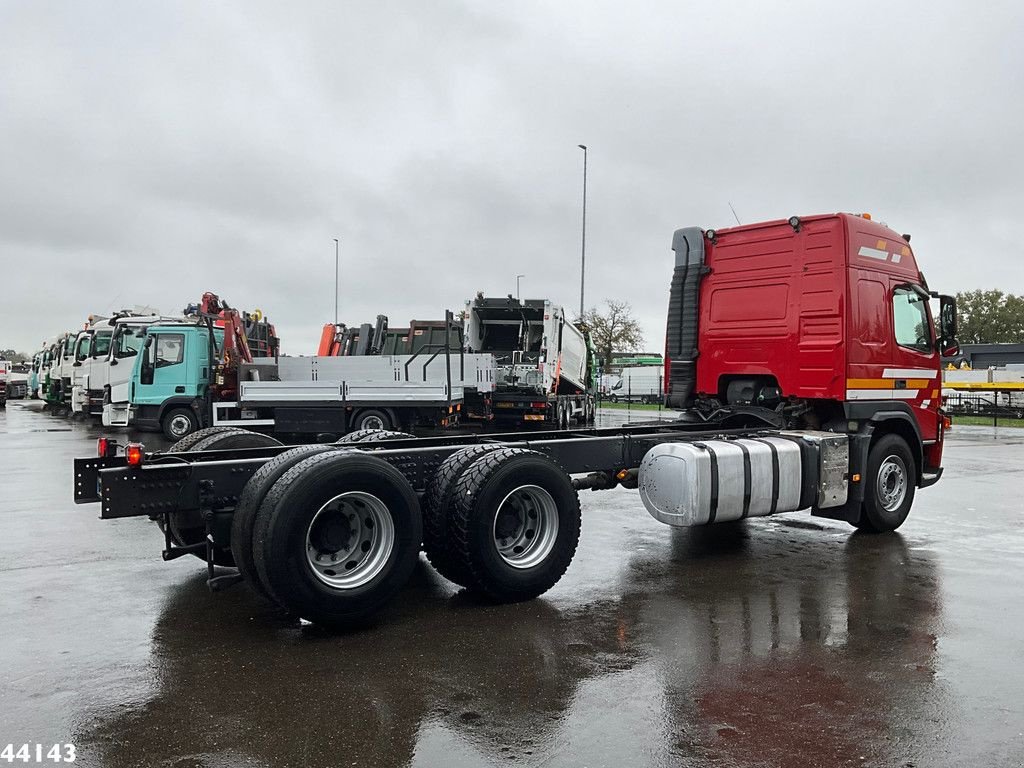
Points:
(824, 320)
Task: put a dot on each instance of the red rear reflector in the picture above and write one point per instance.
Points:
(538, 405)
(134, 453)
(105, 447)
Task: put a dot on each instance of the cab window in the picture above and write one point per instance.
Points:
(128, 344)
(170, 348)
(910, 320)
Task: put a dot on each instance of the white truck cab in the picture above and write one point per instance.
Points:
(91, 349)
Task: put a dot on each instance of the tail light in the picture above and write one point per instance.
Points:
(134, 453)
(105, 447)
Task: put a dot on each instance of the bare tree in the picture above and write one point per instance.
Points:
(613, 330)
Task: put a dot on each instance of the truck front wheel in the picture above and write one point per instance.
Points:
(178, 423)
(891, 485)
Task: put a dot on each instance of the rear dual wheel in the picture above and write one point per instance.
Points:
(373, 436)
(187, 528)
(337, 535)
(513, 524)
(243, 521)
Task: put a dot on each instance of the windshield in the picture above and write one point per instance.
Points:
(82, 350)
(101, 343)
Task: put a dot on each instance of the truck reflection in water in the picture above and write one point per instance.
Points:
(765, 650)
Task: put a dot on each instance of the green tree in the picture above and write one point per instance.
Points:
(613, 330)
(990, 317)
(14, 357)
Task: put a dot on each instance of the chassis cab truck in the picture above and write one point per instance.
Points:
(803, 358)
(826, 321)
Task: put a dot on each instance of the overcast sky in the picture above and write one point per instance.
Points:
(153, 151)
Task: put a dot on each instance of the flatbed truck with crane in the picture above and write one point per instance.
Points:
(802, 356)
(221, 369)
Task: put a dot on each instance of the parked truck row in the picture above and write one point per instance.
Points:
(802, 356)
(499, 362)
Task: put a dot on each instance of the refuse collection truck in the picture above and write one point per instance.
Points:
(545, 364)
(802, 356)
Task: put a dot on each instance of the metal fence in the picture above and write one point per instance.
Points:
(988, 405)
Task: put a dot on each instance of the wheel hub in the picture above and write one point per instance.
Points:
(525, 526)
(349, 540)
(892, 483)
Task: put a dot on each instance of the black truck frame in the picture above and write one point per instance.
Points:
(203, 497)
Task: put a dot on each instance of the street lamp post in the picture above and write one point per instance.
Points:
(336, 262)
(583, 245)
(518, 278)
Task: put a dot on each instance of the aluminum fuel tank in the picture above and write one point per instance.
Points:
(685, 484)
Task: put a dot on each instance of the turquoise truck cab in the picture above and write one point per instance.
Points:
(170, 379)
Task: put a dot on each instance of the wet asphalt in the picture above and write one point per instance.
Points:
(788, 641)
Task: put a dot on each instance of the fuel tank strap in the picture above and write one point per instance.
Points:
(775, 472)
(713, 512)
(746, 478)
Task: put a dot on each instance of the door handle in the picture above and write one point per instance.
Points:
(179, 390)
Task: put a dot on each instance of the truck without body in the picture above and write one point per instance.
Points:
(802, 356)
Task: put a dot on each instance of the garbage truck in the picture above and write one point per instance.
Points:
(802, 357)
(546, 373)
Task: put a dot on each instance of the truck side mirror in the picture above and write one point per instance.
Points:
(147, 365)
(947, 326)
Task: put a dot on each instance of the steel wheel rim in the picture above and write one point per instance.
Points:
(180, 425)
(525, 526)
(349, 540)
(891, 485)
(372, 422)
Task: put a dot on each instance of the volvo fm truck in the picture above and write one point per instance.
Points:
(803, 360)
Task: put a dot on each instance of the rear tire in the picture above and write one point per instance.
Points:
(437, 501)
(186, 443)
(239, 438)
(515, 524)
(306, 541)
(891, 478)
(188, 530)
(178, 423)
(372, 436)
(244, 519)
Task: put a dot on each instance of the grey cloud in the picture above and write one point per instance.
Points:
(154, 152)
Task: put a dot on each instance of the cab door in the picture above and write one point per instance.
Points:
(915, 360)
(163, 373)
